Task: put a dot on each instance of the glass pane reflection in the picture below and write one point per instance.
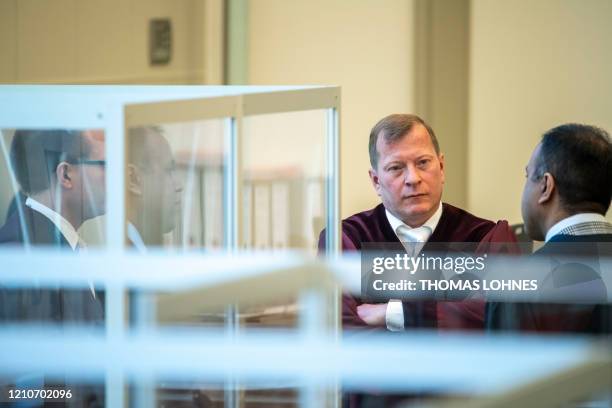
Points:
(284, 169)
(174, 185)
(53, 183)
(284, 180)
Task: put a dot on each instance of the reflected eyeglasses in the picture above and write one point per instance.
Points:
(92, 162)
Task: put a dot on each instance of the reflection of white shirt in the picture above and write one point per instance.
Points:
(135, 238)
(64, 227)
(571, 221)
(394, 315)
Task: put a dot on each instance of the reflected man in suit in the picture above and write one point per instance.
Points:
(153, 208)
(61, 173)
(154, 191)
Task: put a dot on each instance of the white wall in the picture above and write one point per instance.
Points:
(534, 65)
(365, 46)
(97, 41)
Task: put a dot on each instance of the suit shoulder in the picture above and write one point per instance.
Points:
(10, 232)
(467, 216)
(472, 228)
(359, 219)
(366, 226)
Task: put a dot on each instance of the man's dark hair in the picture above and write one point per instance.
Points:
(579, 157)
(393, 128)
(36, 153)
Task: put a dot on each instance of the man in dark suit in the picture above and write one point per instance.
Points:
(153, 189)
(566, 196)
(61, 173)
(407, 172)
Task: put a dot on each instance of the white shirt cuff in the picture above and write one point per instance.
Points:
(394, 316)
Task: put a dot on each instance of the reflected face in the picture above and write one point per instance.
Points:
(530, 208)
(93, 175)
(161, 188)
(409, 176)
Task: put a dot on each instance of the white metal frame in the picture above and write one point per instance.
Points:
(313, 355)
(491, 367)
(117, 108)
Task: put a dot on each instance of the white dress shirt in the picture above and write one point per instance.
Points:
(574, 220)
(408, 236)
(64, 227)
(135, 238)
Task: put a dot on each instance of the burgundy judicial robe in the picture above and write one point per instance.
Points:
(455, 225)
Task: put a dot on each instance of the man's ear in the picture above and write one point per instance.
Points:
(64, 172)
(547, 188)
(441, 160)
(374, 180)
(134, 180)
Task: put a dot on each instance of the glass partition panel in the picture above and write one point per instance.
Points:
(174, 185)
(52, 187)
(284, 174)
(52, 197)
(58, 188)
(10, 193)
(284, 169)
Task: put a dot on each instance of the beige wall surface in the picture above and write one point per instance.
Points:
(534, 65)
(441, 82)
(97, 41)
(365, 46)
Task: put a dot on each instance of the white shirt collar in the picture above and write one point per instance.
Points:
(573, 220)
(135, 238)
(64, 227)
(431, 223)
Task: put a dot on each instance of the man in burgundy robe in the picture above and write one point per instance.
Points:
(455, 225)
(408, 174)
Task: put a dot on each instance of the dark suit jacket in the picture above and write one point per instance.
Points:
(40, 230)
(559, 317)
(44, 305)
(56, 306)
(455, 225)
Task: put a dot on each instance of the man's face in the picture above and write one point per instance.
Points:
(530, 207)
(93, 175)
(161, 188)
(409, 176)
